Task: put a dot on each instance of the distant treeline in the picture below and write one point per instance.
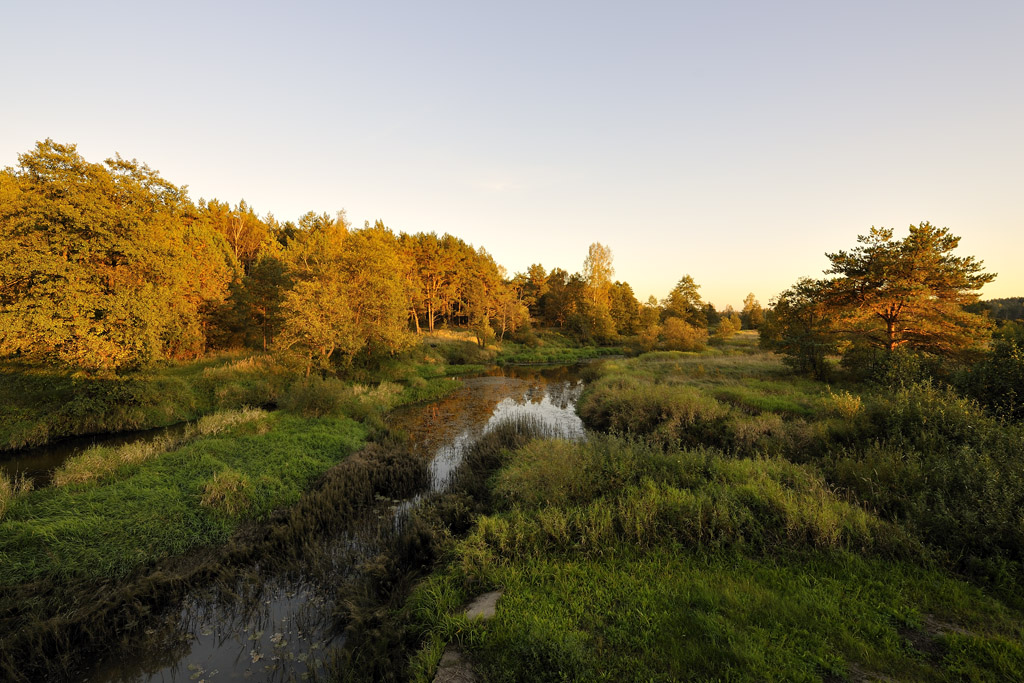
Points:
(109, 266)
(1011, 308)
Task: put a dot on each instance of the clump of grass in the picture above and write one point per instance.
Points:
(563, 497)
(842, 404)
(674, 415)
(12, 488)
(102, 462)
(228, 492)
(223, 420)
(319, 397)
(757, 433)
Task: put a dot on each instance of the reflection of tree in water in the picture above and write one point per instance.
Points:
(472, 406)
(276, 627)
(490, 401)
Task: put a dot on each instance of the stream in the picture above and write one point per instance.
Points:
(279, 627)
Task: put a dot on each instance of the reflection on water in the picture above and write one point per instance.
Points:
(276, 628)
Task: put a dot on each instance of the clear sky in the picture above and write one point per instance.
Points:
(733, 141)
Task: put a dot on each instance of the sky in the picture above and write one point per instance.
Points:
(736, 142)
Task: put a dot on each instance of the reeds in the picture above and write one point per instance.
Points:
(101, 462)
(12, 488)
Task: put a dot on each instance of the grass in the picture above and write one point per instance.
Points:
(624, 562)
(152, 510)
(550, 346)
(671, 615)
(101, 462)
(43, 405)
(729, 521)
(11, 488)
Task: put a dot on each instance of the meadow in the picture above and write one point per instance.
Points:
(727, 520)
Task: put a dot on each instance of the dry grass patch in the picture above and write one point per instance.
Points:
(101, 462)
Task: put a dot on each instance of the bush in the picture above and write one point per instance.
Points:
(937, 462)
(677, 335)
(998, 380)
(316, 397)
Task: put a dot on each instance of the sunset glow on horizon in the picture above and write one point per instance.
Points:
(736, 142)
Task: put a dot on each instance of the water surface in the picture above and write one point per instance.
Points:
(278, 627)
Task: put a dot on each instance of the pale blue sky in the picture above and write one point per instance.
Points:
(734, 141)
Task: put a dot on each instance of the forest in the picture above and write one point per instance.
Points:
(828, 487)
(108, 268)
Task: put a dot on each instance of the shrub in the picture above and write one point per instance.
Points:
(677, 335)
(998, 380)
(844, 404)
(937, 462)
(316, 397)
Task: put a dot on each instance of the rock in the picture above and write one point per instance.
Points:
(483, 606)
(454, 668)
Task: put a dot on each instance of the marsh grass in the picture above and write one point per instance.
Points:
(12, 488)
(227, 492)
(622, 561)
(99, 462)
(42, 405)
(578, 499)
(735, 521)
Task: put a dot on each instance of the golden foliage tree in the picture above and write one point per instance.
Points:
(103, 266)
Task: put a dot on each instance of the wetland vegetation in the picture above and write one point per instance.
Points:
(359, 430)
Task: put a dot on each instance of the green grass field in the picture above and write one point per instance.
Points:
(729, 521)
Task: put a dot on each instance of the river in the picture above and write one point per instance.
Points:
(279, 627)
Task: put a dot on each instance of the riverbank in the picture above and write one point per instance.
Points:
(45, 405)
(164, 515)
(126, 530)
(726, 516)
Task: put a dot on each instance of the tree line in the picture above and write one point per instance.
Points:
(106, 267)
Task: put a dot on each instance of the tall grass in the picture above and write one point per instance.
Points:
(623, 561)
(11, 488)
(44, 405)
(740, 520)
(100, 462)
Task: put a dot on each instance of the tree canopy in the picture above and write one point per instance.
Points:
(887, 294)
(109, 267)
(103, 265)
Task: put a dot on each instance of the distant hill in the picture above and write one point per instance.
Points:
(1011, 308)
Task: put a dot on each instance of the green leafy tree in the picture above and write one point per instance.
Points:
(752, 314)
(103, 266)
(246, 234)
(625, 309)
(258, 300)
(801, 328)
(684, 302)
(727, 327)
(679, 335)
(557, 303)
(318, 322)
(711, 315)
